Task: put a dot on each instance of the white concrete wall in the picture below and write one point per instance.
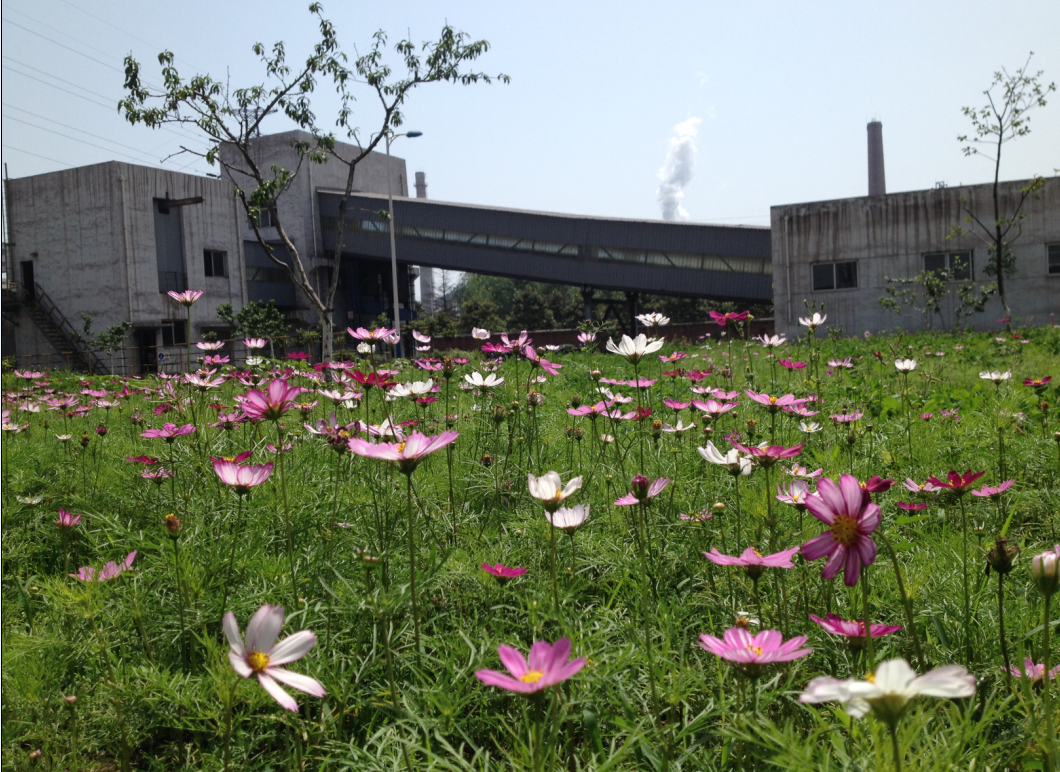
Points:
(888, 236)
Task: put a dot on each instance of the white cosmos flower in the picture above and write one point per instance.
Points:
(364, 348)
(905, 365)
(653, 320)
(254, 361)
(568, 518)
(549, 489)
(813, 322)
(810, 427)
(634, 349)
(772, 341)
(479, 333)
(606, 438)
(736, 462)
(680, 428)
(476, 380)
(888, 692)
(996, 376)
(414, 389)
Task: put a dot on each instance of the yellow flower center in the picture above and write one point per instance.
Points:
(758, 553)
(870, 678)
(343, 433)
(756, 649)
(401, 447)
(229, 458)
(845, 531)
(258, 661)
(772, 400)
(531, 676)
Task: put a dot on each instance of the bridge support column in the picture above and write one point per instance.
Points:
(587, 299)
(631, 302)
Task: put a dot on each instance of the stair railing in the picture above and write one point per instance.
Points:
(46, 305)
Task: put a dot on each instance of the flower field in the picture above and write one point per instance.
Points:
(637, 554)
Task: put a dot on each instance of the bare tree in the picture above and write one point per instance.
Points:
(1002, 119)
(234, 116)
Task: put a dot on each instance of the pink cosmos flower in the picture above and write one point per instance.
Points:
(548, 666)
(836, 625)
(751, 653)
(847, 418)
(585, 338)
(803, 472)
(957, 482)
(787, 364)
(261, 654)
(732, 316)
(501, 572)
(186, 298)
(169, 432)
(644, 490)
(1037, 383)
(157, 476)
(769, 455)
(109, 571)
(713, 408)
(538, 361)
(408, 454)
(877, 484)
(674, 404)
(380, 333)
(67, 521)
(912, 507)
(753, 561)
(795, 493)
(914, 487)
(228, 421)
(1032, 671)
(210, 346)
(520, 343)
(989, 492)
(851, 516)
(775, 404)
(241, 477)
(272, 403)
(254, 343)
(142, 460)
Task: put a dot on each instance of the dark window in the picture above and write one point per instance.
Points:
(957, 264)
(259, 273)
(827, 276)
(1054, 258)
(169, 249)
(216, 262)
(264, 218)
(174, 332)
(824, 276)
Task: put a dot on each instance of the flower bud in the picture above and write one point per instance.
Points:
(575, 401)
(596, 375)
(569, 431)
(578, 434)
(498, 414)
(1001, 555)
(101, 430)
(487, 460)
(448, 366)
(641, 484)
(1045, 569)
(173, 525)
(70, 700)
(85, 439)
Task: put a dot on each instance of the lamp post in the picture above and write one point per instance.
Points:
(393, 244)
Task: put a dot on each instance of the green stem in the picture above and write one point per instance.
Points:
(906, 603)
(286, 515)
(552, 564)
(645, 611)
(228, 724)
(412, 566)
(180, 601)
(964, 571)
(1047, 696)
(867, 621)
(895, 747)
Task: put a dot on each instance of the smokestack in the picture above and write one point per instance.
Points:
(421, 185)
(426, 274)
(877, 180)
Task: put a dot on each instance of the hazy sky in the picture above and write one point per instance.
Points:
(782, 92)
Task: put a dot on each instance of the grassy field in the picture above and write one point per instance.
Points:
(129, 667)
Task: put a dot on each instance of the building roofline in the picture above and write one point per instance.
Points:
(434, 201)
(1022, 183)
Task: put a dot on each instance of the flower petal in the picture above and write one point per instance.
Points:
(240, 665)
(502, 681)
(947, 681)
(278, 694)
(513, 660)
(292, 648)
(235, 639)
(264, 627)
(302, 683)
(852, 567)
(819, 546)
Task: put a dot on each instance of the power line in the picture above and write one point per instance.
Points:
(37, 155)
(76, 139)
(62, 45)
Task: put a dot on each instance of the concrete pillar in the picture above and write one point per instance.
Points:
(877, 179)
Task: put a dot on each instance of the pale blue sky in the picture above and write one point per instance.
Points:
(784, 91)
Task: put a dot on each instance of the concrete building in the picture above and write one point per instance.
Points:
(842, 252)
(110, 240)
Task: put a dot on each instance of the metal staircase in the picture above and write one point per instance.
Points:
(59, 332)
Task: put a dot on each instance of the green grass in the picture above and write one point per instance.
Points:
(171, 681)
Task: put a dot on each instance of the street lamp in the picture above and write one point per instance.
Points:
(393, 244)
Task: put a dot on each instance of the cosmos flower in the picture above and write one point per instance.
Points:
(644, 490)
(996, 376)
(1032, 671)
(851, 517)
(407, 455)
(772, 341)
(905, 365)
(261, 655)
(795, 493)
(502, 573)
(537, 360)
(634, 349)
(271, 404)
(478, 333)
(775, 404)
(770, 454)
(378, 334)
(736, 462)
(836, 625)
(109, 571)
(241, 477)
(585, 338)
(732, 316)
(653, 320)
(990, 492)
(550, 491)
(547, 667)
(889, 691)
(813, 322)
(956, 482)
(211, 346)
(254, 343)
(1045, 571)
(477, 381)
(169, 432)
(66, 520)
(568, 518)
(753, 561)
(186, 298)
(750, 654)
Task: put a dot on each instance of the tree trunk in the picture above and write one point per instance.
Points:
(327, 335)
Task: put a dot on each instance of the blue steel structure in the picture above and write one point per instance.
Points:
(721, 262)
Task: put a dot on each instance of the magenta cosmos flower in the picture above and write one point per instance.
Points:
(753, 561)
(1032, 671)
(277, 399)
(169, 432)
(851, 516)
(548, 666)
(241, 477)
(732, 316)
(66, 520)
(501, 572)
(644, 490)
(186, 298)
(408, 454)
(775, 404)
(751, 653)
(770, 454)
(109, 571)
(260, 655)
(854, 630)
(956, 482)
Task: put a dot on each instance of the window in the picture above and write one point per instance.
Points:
(273, 275)
(1054, 258)
(264, 218)
(174, 332)
(216, 262)
(829, 276)
(957, 264)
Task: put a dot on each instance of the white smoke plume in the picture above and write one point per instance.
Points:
(676, 173)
